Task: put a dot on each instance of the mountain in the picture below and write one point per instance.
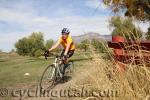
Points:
(107, 37)
(90, 36)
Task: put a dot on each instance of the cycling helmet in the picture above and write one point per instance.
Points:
(65, 31)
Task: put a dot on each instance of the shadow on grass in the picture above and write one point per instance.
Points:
(80, 59)
(60, 81)
(65, 79)
(30, 61)
(2, 60)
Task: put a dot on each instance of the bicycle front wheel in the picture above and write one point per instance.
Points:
(48, 77)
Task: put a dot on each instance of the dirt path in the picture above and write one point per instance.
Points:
(71, 83)
(88, 74)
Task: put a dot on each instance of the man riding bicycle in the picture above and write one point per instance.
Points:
(67, 43)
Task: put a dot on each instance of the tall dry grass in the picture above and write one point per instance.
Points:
(132, 84)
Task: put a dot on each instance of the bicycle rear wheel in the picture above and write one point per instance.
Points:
(70, 67)
(48, 77)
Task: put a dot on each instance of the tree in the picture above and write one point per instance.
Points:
(38, 53)
(22, 47)
(140, 9)
(84, 45)
(49, 44)
(30, 45)
(98, 45)
(148, 34)
(124, 26)
(36, 42)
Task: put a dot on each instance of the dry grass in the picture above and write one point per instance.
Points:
(133, 84)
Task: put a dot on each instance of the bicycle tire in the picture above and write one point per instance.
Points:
(70, 68)
(47, 80)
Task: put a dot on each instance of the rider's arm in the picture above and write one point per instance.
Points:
(54, 46)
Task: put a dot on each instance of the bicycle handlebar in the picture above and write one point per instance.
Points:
(47, 53)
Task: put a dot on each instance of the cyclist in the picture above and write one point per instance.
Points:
(67, 43)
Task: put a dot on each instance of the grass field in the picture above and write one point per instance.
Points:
(13, 68)
(98, 73)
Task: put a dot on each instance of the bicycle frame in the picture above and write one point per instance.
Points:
(56, 63)
(52, 73)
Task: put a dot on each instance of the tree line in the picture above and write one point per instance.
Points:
(35, 45)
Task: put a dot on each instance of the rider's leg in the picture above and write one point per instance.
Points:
(66, 64)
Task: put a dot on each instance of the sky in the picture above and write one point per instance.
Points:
(19, 18)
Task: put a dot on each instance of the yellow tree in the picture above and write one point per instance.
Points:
(140, 9)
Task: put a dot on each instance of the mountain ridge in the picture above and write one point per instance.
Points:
(90, 36)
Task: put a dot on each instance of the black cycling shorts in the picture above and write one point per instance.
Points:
(70, 53)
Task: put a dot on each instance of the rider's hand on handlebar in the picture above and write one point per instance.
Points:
(64, 57)
(46, 54)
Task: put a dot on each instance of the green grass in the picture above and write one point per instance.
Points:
(13, 68)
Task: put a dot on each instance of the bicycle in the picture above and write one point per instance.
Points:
(53, 73)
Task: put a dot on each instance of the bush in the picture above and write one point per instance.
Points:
(28, 46)
(125, 27)
(98, 45)
(84, 45)
(38, 53)
(49, 44)
(148, 34)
